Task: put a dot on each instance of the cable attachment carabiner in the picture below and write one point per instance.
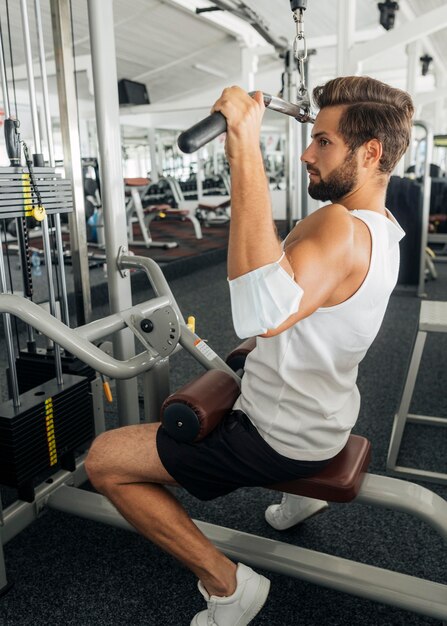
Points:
(300, 49)
(36, 211)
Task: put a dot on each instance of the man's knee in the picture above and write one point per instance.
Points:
(98, 461)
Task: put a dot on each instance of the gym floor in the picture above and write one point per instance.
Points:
(72, 572)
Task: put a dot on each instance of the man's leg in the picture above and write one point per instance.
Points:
(124, 465)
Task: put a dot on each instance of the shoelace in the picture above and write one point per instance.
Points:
(211, 612)
(283, 501)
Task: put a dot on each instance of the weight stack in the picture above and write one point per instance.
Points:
(36, 368)
(44, 431)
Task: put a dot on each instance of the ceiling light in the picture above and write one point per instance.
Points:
(388, 13)
(425, 62)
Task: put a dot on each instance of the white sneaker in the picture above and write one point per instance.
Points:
(241, 607)
(293, 510)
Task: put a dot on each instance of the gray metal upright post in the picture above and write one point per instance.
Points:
(112, 188)
(10, 351)
(63, 52)
(304, 141)
(154, 156)
(293, 182)
(425, 202)
(38, 149)
(3, 579)
(51, 160)
(9, 337)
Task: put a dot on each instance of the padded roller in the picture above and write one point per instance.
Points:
(236, 358)
(195, 409)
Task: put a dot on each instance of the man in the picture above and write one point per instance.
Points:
(315, 303)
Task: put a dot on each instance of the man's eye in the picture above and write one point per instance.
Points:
(323, 142)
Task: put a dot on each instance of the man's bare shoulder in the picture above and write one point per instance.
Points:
(330, 212)
(329, 220)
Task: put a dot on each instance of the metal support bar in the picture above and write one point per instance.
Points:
(101, 28)
(3, 579)
(30, 75)
(407, 497)
(432, 318)
(421, 474)
(10, 351)
(21, 514)
(291, 162)
(374, 583)
(60, 267)
(156, 389)
(78, 341)
(426, 420)
(98, 405)
(426, 202)
(248, 14)
(75, 342)
(60, 14)
(38, 149)
(402, 412)
(155, 276)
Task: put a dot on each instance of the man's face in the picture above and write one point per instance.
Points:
(332, 167)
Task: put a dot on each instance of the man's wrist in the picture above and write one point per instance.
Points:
(248, 158)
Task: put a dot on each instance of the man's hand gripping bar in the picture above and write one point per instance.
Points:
(212, 126)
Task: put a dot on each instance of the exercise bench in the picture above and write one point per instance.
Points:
(135, 188)
(192, 410)
(345, 479)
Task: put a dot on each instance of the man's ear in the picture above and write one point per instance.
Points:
(373, 151)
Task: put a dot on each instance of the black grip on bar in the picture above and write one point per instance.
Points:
(12, 141)
(202, 132)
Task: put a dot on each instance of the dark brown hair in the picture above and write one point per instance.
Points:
(374, 110)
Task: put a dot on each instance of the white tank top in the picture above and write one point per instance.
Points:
(299, 387)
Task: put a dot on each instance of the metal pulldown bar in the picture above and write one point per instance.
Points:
(212, 126)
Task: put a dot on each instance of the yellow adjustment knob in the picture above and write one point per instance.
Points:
(162, 215)
(106, 389)
(39, 213)
(191, 323)
(107, 392)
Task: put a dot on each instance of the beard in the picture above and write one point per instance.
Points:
(338, 183)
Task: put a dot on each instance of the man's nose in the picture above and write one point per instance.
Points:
(307, 156)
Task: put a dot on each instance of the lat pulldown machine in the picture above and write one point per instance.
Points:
(215, 124)
(161, 331)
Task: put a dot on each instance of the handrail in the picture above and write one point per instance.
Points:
(78, 341)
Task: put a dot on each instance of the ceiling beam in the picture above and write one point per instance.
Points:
(421, 26)
(222, 20)
(247, 14)
(426, 41)
(426, 97)
(83, 63)
(199, 51)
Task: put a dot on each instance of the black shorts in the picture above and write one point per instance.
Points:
(233, 455)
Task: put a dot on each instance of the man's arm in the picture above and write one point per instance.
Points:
(322, 258)
(319, 258)
(253, 240)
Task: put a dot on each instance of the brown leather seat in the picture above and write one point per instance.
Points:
(165, 208)
(339, 481)
(136, 182)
